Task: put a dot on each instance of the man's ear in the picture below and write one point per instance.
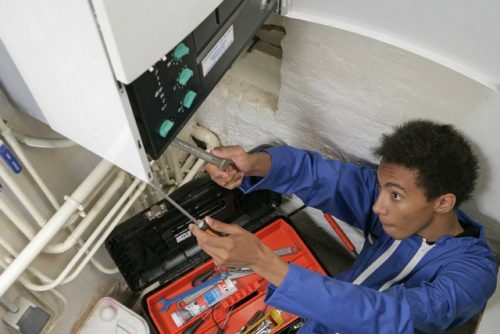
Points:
(445, 203)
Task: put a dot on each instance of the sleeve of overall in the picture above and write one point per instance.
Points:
(340, 306)
(460, 290)
(345, 190)
(456, 294)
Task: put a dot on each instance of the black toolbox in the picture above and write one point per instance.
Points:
(156, 246)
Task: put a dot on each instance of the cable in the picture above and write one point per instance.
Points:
(296, 210)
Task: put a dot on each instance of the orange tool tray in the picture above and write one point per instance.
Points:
(245, 302)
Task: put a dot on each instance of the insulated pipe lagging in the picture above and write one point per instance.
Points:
(43, 237)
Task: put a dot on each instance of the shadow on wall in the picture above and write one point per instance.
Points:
(492, 226)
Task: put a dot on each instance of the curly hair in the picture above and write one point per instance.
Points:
(442, 157)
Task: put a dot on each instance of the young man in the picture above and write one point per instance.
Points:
(425, 266)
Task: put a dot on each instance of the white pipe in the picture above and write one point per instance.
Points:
(18, 221)
(89, 199)
(209, 138)
(21, 195)
(103, 237)
(163, 172)
(99, 266)
(41, 277)
(43, 142)
(192, 172)
(173, 163)
(188, 163)
(18, 150)
(72, 239)
(62, 276)
(43, 237)
(205, 135)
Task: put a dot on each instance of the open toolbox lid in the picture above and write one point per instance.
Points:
(156, 245)
(162, 305)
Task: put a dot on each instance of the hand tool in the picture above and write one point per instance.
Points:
(220, 330)
(175, 204)
(220, 276)
(340, 233)
(286, 250)
(257, 315)
(202, 224)
(199, 222)
(167, 302)
(194, 326)
(202, 278)
(221, 163)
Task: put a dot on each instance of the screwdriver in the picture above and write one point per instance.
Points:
(340, 233)
(194, 326)
(199, 222)
(221, 163)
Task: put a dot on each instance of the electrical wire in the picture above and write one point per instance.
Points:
(296, 210)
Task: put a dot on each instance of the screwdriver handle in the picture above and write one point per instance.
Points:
(340, 233)
(193, 327)
(221, 163)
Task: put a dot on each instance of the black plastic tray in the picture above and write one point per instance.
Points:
(156, 245)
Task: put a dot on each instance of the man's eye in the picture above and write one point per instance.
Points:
(396, 197)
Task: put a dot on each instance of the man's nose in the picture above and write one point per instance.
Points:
(378, 207)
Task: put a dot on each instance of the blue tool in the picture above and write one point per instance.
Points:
(9, 158)
(218, 277)
(167, 302)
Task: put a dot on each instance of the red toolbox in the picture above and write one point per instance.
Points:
(192, 295)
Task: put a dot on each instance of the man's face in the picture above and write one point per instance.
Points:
(401, 205)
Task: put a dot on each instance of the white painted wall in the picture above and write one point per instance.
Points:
(460, 34)
(340, 90)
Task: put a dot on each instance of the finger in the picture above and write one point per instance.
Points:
(206, 240)
(236, 182)
(223, 227)
(226, 151)
(219, 175)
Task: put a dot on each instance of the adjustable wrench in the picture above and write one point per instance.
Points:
(221, 163)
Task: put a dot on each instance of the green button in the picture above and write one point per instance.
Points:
(180, 51)
(188, 100)
(165, 127)
(185, 75)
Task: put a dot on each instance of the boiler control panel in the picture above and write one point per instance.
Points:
(165, 96)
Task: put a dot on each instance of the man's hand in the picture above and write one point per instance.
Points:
(240, 248)
(244, 164)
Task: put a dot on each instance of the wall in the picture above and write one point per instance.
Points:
(340, 91)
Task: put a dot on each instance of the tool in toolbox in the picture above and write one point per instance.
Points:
(249, 297)
(340, 233)
(194, 326)
(265, 324)
(221, 163)
(280, 252)
(147, 250)
(220, 276)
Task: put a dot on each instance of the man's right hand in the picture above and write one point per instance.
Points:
(244, 164)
